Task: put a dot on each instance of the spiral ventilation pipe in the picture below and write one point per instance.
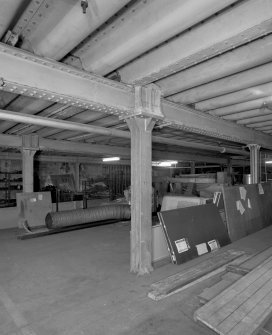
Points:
(68, 218)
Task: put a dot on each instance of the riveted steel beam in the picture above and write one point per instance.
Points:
(241, 107)
(119, 42)
(242, 80)
(251, 93)
(27, 74)
(24, 73)
(208, 124)
(240, 59)
(234, 27)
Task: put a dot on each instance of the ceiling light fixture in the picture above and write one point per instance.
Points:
(111, 159)
(268, 162)
(164, 163)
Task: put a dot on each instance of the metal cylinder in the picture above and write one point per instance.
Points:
(68, 218)
(247, 179)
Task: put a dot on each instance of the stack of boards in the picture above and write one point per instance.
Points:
(241, 301)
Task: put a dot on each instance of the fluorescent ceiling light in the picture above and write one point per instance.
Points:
(164, 163)
(268, 162)
(111, 159)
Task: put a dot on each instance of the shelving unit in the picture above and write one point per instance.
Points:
(10, 184)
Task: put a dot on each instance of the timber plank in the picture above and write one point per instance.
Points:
(216, 262)
(244, 307)
(241, 284)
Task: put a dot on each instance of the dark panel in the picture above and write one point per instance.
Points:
(248, 208)
(185, 228)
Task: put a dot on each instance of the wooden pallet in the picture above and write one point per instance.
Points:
(244, 307)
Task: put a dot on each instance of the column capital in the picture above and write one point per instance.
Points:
(30, 142)
(254, 146)
(147, 102)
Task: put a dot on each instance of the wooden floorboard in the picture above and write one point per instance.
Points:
(242, 308)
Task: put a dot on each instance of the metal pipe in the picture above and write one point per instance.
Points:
(248, 94)
(240, 59)
(55, 220)
(187, 144)
(120, 42)
(61, 124)
(250, 78)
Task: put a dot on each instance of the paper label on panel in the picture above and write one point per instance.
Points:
(182, 245)
(260, 187)
(213, 244)
(243, 192)
(201, 249)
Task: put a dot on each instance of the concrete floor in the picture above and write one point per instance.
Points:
(79, 283)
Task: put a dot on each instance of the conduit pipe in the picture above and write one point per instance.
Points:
(56, 220)
(143, 26)
(250, 78)
(63, 25)
(61, 124)
(248, 94)
(244, 106)
(232, 28)
(245, 57)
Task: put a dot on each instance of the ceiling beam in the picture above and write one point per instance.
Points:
(247, 94)
(242, 80)
(240, 59)
(241, 107)
(245, 22)
(26, 74)
(248, 114)
(119, 42)
(211, 126)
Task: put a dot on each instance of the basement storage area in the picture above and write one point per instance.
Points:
(135, 167)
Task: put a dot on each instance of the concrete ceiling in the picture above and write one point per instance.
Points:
(211, 59)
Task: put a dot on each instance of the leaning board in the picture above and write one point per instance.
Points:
(187, 228)
(248, 208)
(244, 307)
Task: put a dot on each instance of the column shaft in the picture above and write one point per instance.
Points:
(141, 194)
(254, 162)
(28, 167)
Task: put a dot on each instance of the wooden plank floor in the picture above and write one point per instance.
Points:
(244, 307)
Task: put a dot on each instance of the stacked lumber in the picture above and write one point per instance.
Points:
(241, 302)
